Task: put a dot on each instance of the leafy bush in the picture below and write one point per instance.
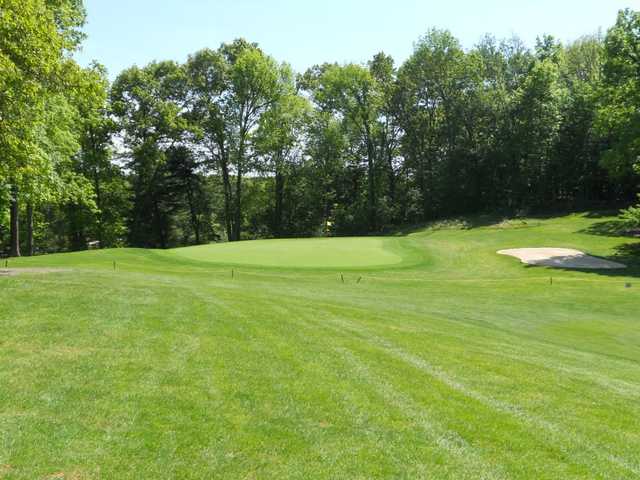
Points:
(631, 216)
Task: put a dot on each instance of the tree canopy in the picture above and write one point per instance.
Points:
(231, 144)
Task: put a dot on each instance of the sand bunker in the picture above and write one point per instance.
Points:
(9, 272)
(560, 258)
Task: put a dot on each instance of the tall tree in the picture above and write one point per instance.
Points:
(207, 73)
(186, 185)
(256, 83)
(577, 177)
(326, 150)
(105, 220)
(279, 140)
(432, 81)
(149, 104)
(36, 38)
(389, 131)
(231, 89)
(30, 49)
(351, 92)
(619, 113)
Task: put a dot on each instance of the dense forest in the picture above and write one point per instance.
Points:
(231, 144)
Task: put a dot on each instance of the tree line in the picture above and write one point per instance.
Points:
(232, 144)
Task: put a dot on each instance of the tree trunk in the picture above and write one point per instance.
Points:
(226, 186)
(30, 249)
(158, 222)
(279, 187)
(392, 178)
(237, 213)
(426, 204)
(100, 216)
(15, 223)
(77, 239)
(371, 191)
(195, 223)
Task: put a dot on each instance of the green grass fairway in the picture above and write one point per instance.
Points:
(446, 361)
(312, 252)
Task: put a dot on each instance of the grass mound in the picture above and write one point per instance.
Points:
(312, 252)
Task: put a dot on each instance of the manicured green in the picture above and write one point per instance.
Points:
(311, 252)
(453, 363)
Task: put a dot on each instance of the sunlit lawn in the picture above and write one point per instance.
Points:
(436, 358)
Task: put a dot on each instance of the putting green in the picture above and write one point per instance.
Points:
(310, 252)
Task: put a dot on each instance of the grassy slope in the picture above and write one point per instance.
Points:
(464, 365)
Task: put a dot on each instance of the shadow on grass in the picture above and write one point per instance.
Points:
(465, 222)
(468, 222)
(609, 228)
(602, 213)
(512, 220)
(627, 254)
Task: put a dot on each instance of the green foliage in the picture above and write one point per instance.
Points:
(233, 145)
(359, 96)
(149, 106)
(45, 98)
(30, 48)
(619, 117)
(631, 217)
(148, 103)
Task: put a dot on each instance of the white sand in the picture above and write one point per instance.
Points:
(560, 258)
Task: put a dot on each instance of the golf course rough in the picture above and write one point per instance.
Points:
(447, 362)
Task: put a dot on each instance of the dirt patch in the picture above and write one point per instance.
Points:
(560, 258)
(10, 272)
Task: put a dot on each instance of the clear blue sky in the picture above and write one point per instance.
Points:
(305, 32)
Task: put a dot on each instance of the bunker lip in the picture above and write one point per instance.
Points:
(10, 272)
(560, 258)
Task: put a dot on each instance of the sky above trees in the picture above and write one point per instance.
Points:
(122, 32)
